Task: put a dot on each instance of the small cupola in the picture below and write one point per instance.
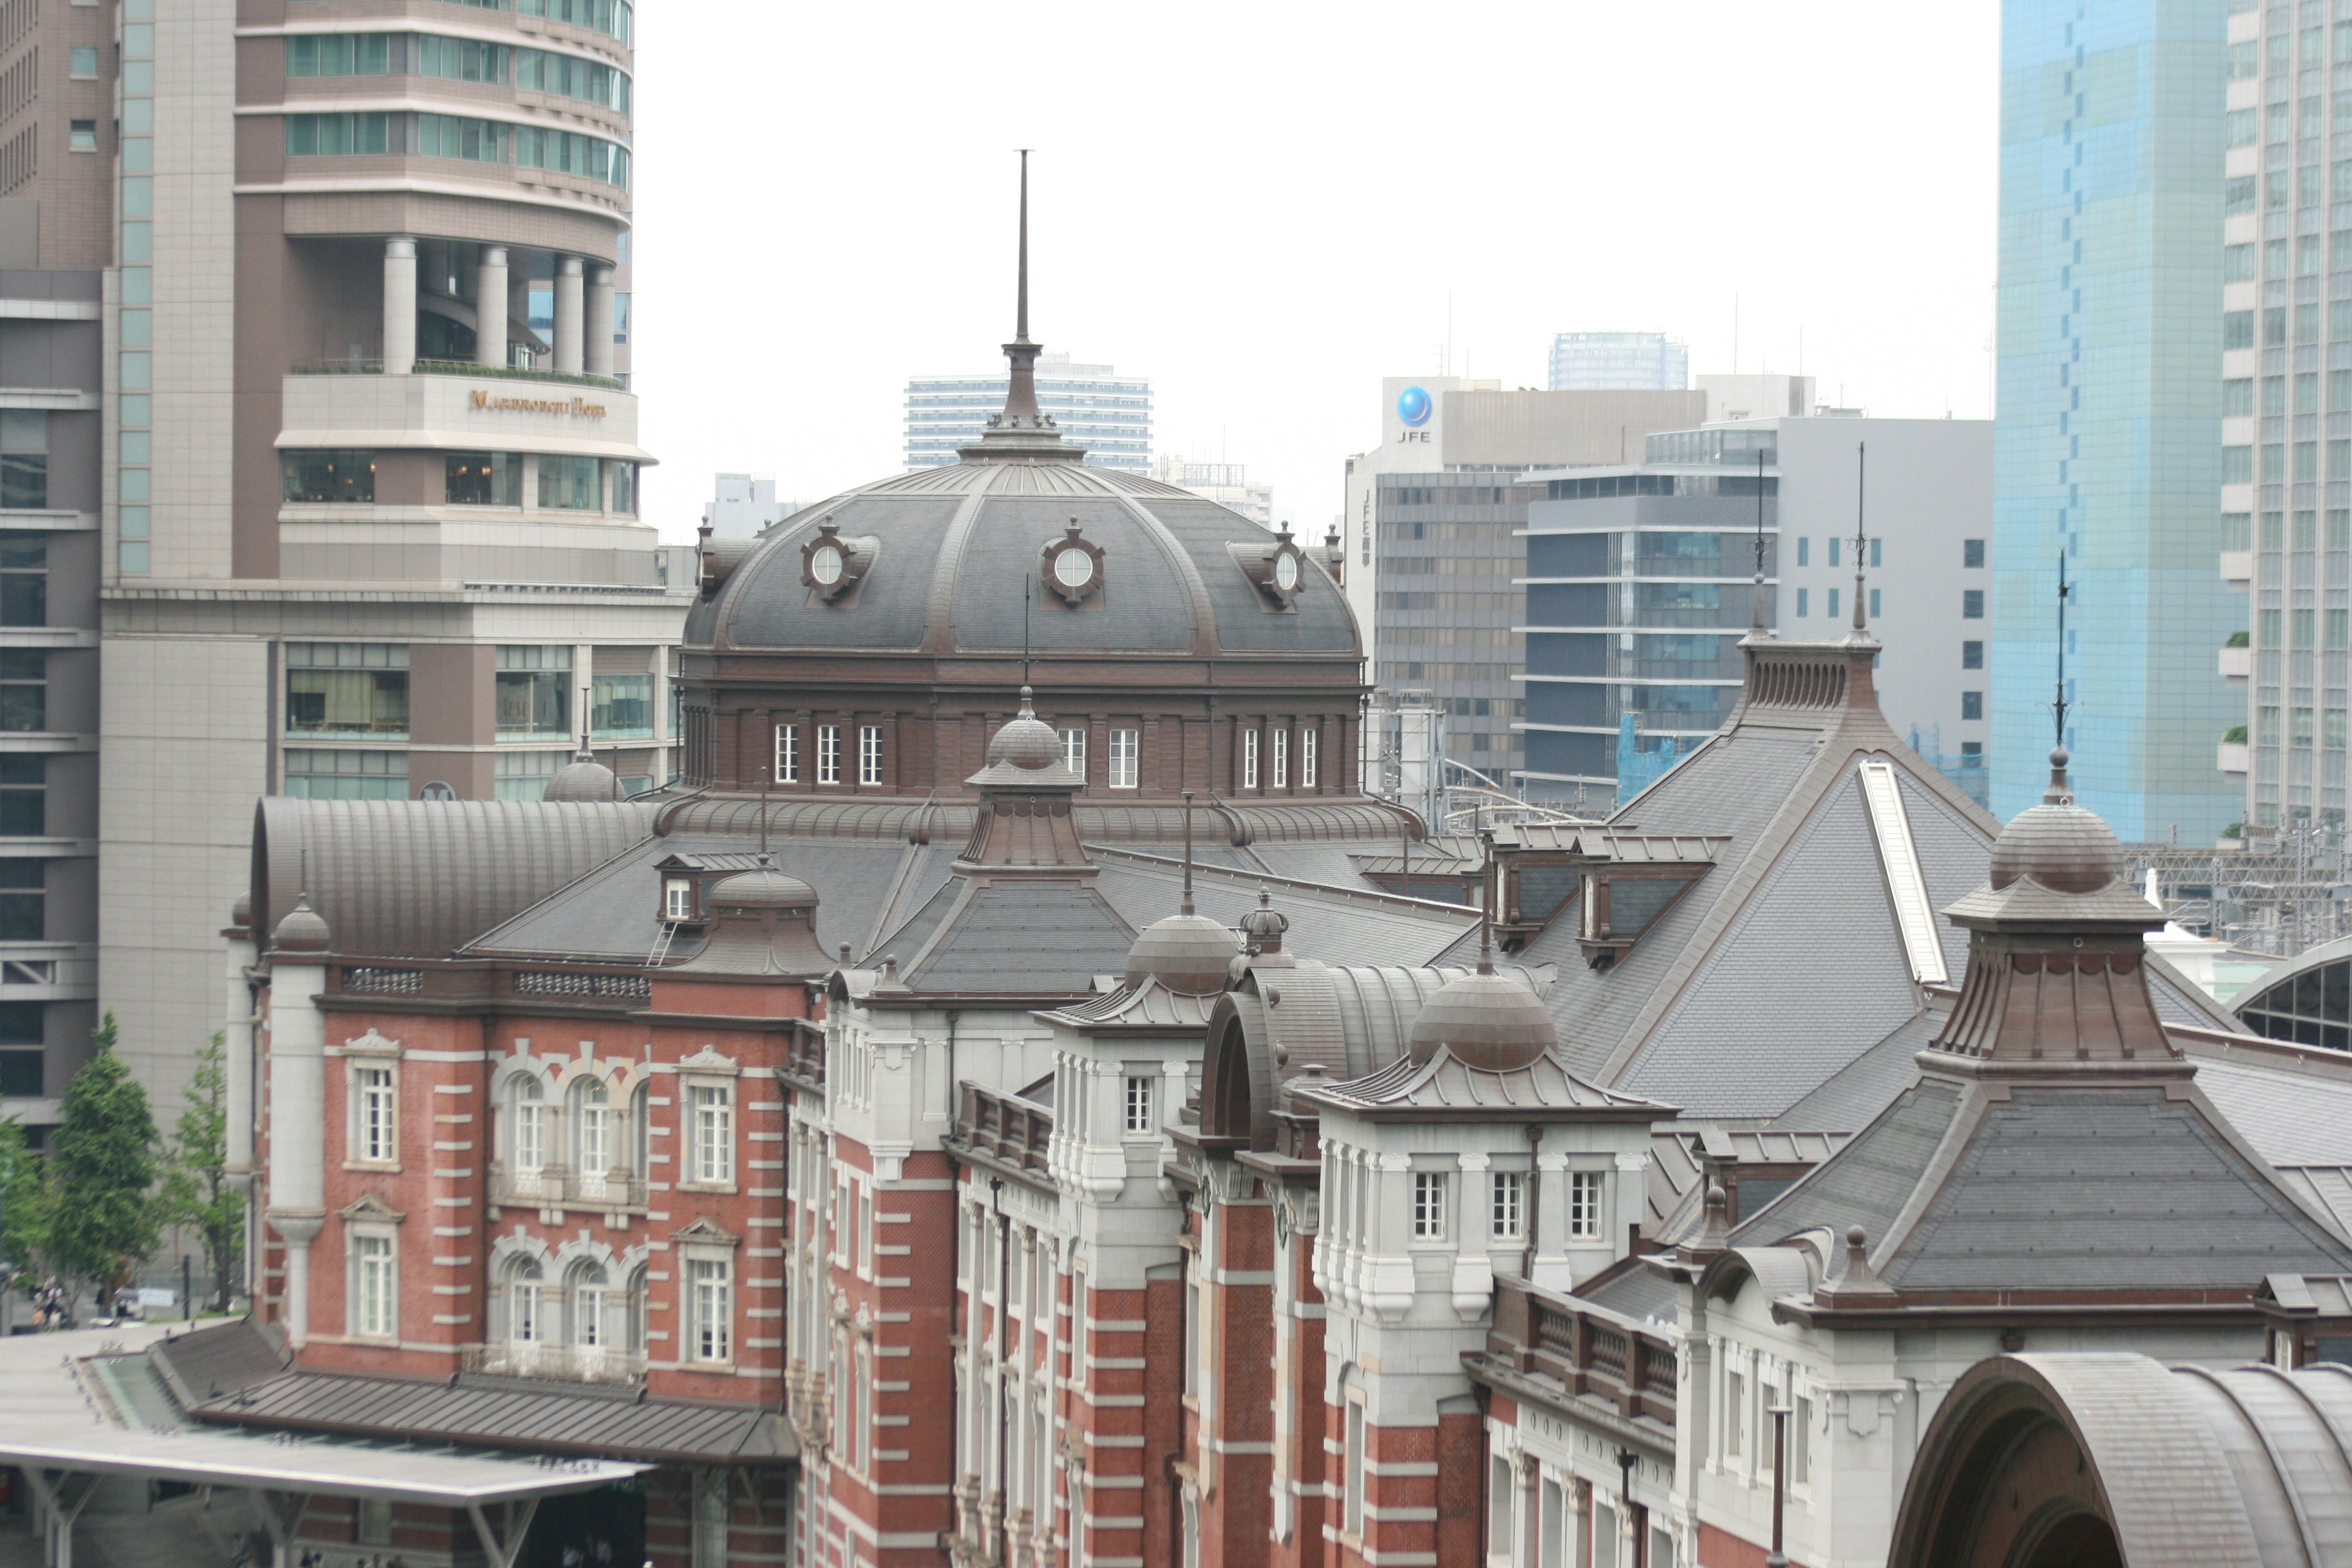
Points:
(303, 930)
(762, 921)
(1024, 822)
(583, 780)
(1486, 1020)
(1262, 928)
(1186, 953)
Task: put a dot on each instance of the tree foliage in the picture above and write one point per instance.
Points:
(102, 1168)
(196, 1191)
(23, 1202)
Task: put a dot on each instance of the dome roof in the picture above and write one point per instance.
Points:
(1027, 741)
(1488, 1020)
(302, 930)
(2064, 848)
(762, 887)
(582, 779)
(1186, 954)
(954, 547)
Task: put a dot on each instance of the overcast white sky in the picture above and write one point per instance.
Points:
(1264, 208)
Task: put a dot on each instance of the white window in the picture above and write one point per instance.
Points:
(1249, 759)
(711, 1129)
(1122, 758)
(1507, 1205)
(375, 1288)
(1196, 1311)
(528, 1144)
(1429, 1205)
(1801, 1441)
(677, 899)
(595, 1129)
(1352, 1509)
(711, 1543)
(788, 753)
(710, 1295)
(869, 754)
(526, 1303)
(1074, 750)
(1735, 1414)
(1282, 759)
(590, 1301)
(828, 753)
(1584, 1205)
(1306, 740)
(378, 1140)
(1138, 1117)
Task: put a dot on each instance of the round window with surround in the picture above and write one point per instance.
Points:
(824, 565)
(1285, 572)
(1073, 567)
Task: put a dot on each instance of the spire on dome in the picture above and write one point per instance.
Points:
(1756, 599)
(1022, 433)
(1861, 539)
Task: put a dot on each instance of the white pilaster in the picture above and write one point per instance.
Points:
(567, 314)
(490, 306)
(298, 1116)
(399, 306)
(598, 347)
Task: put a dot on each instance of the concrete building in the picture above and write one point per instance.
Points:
(1639, 586)
(1766, 395)
(1431, 535)
(1609, 362)
(1227, 484)
(2110, 359)
(742, 505)
(1107, 414)
(368, 533)
(56, 242)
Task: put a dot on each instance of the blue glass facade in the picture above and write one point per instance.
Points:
(2108, 430)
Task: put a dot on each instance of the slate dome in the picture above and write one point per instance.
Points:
(1186, 954)
(2065, 847)
(582, 779)
(1488, 1020)
(763, 887)
(303, 929)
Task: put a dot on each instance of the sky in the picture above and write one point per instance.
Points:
(1264, 208)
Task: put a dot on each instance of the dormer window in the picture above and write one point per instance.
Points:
(1277, 570)
(832, 566)
(1073, 565)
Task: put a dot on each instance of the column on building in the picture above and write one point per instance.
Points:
(567, 315)
(490, 306)
(598, 358)
(399, 306)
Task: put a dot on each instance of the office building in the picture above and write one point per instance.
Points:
(744, 504)
(1639, 579)
(356, 462)
(1431, 536)
(1610, 362)
(1768, 395)
(56, 242)
(2286, 368)
(1227, 484)
(1107, 414)
(2107, 439)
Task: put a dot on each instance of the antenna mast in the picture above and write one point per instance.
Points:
(1757, 620)
(2058, 705)
(1861, 539)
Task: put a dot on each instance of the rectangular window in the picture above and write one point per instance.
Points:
(2300, 733)
(1804, 551)
(569, 484)
(376, 1292)
(1074, 750)
(621, 707)
(22, 896)
(459, 59)
(2237, 465)
(534, 689)
(1352, 1502)
(318, 774)
(81, 136)
(1972, 604)
(711, 1129)
(2305, 623)
(376, 1142)
(1801, 1441)
(1139, 1117)
(710, 1308)
(677, 899)
(1282, 759)
(2336, 725)
(327, 478)
(828, 753)
(1834, 604)
(23, 580)
(1972, 705)
(1874, 603)
(481, 478)
(459, 136)
(788, 753)
(1735, 1414)
(24, 690)
(21, 1026)
(1123, 750)
(2268, 629)
(2243, 130)
(1249, 759)
(342, 54)
(1973, 553)
(1584, 1205)
(25, 458)
(329, 135)
(2238, 196)
(348, 689)
(2339, 623)
(1833, 542)
(1804, 606)
(2266, 729)
(623, 477)
(1972, 656)
(2237, 397)
(1429, 1205)
(869, 754)
(81, 62)
(22, 795)
(1307, 745)
(1505, 1208)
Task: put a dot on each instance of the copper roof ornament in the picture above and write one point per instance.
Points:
(583, 780)
(1022, 433)
(1486, 1020)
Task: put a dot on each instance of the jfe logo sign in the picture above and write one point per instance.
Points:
(1414, 407)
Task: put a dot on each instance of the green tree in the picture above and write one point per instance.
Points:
(196, 1192)
(103, 1216)
(23, 1202)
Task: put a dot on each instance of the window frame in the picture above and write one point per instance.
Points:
(1249, 759)
(1281, 758)
(1429, 1204)
(1588, 1198)
(368, 1264)
(362, 1150)
(869, 756)
(707, 1330)
(1308, 740)
(709, 1132)
(828, 753)
(786, 765)
(1139, 1101)
(1125, 759)
(1506, 1205)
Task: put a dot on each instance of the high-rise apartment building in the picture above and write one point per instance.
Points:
(2107, 439)
(1092, 405)
(744, 504)
(1227, 484)
(2286, 407)
(1640, 583)
(56, 242)
(1431, 535)
(338, 413)
(1609, 362)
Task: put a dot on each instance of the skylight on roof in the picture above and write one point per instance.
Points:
(1898, 858)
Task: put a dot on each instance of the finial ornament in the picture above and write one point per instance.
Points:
(1861, 538)
(2061, 792)
(1186, 907)
(1486, 904)
(2059, 705)
(1755, 618)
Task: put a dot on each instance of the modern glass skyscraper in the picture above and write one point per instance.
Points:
(1612, 362)
(2109, 431)
(1107, 414)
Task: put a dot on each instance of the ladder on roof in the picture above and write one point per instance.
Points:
(661, 944)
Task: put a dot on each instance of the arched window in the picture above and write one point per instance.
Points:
(526, 1301)
(592, 1124)
(638, 1104)
(527, 1128)
(589, 1290)
(633, 1313)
